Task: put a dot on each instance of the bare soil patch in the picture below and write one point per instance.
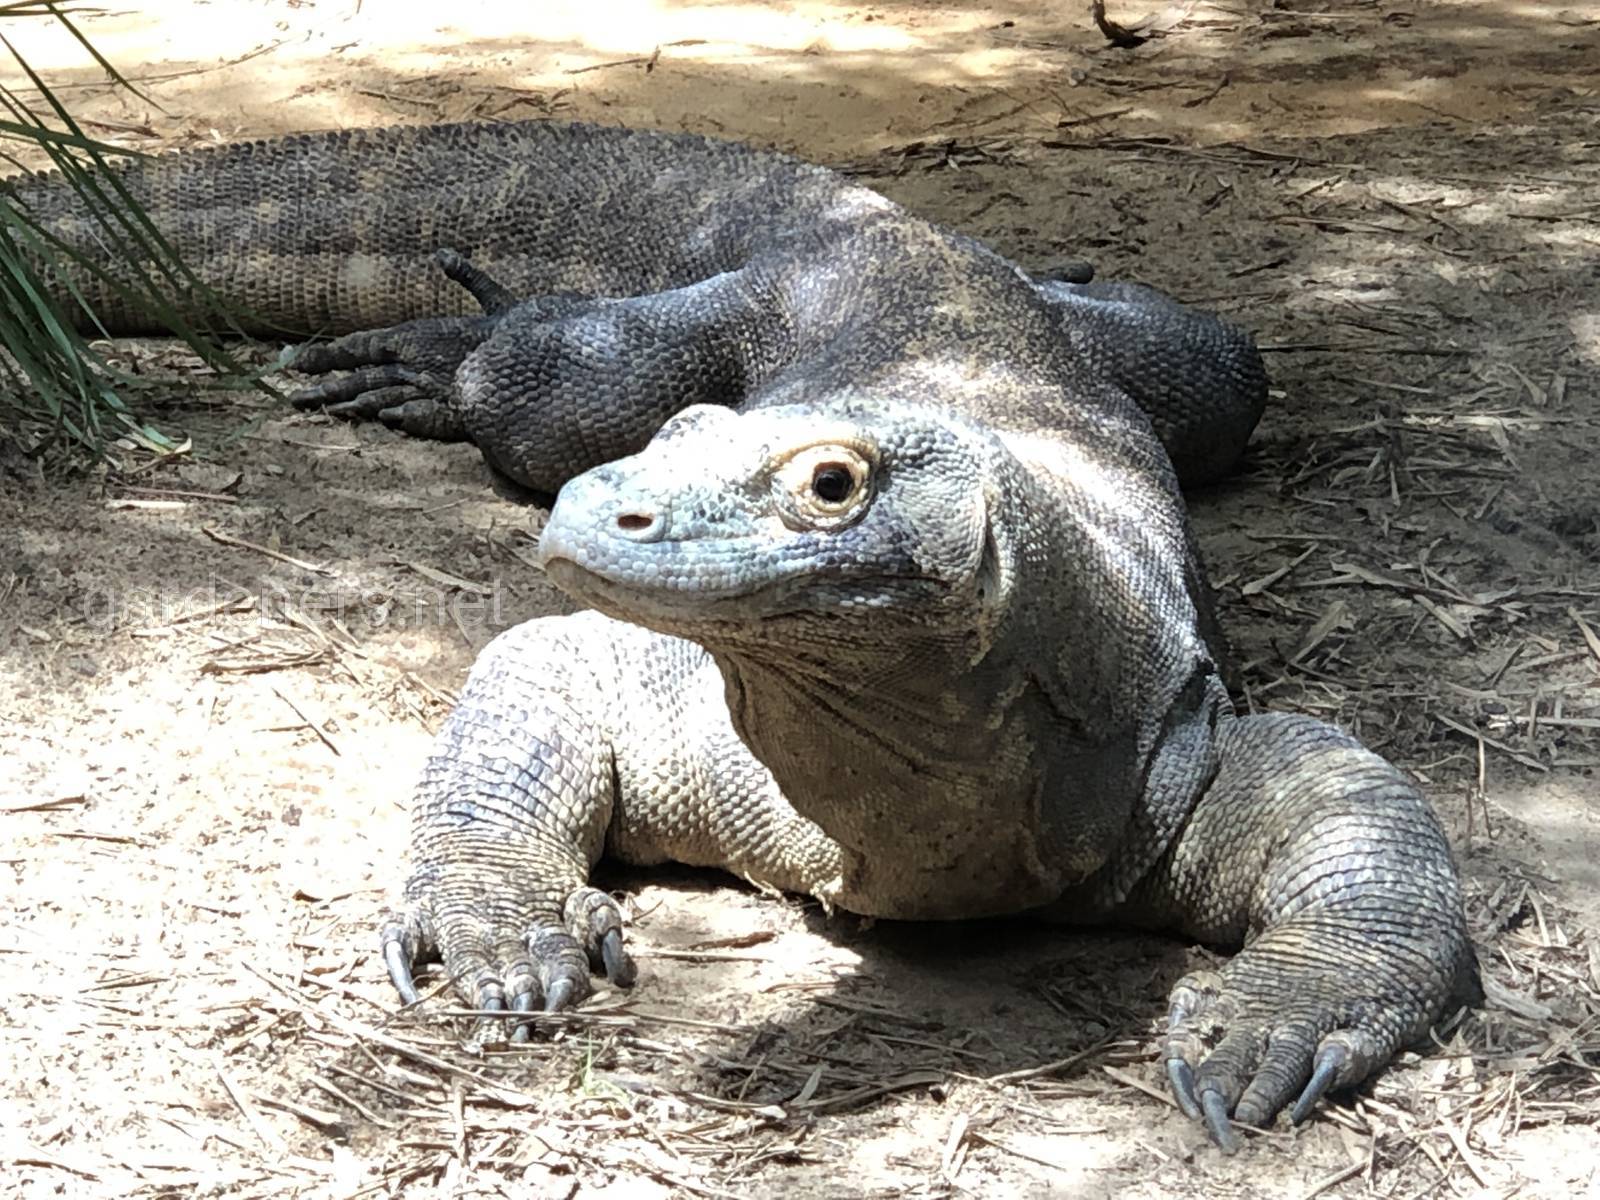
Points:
(218, 673)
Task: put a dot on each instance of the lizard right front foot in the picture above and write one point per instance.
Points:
(505, 953)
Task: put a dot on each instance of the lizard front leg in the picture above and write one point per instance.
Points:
(576, 736)
(511, 813)
(1331, 869)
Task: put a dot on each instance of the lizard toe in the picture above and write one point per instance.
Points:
(1188, 1026)
(492, 296)
(522, 991)
(362, 393)
(1280, 1072)
(594, 919)
(367, 348)
(407, 940)
(421, 416)
(562, 964)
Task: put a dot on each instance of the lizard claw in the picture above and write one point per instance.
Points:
(407, 940)
(560, 996)
(619, 967)
(1215, 1109)
(522, 1002)
(1181, 1076)
(1270, 1031)
(1330, 1061)
(509, 963)
(399, 964)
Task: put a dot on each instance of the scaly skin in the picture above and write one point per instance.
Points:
(924, 630)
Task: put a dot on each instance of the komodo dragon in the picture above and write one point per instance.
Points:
(898, 603)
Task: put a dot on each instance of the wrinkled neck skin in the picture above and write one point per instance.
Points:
(930, 782)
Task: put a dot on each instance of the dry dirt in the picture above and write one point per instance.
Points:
(218, 672)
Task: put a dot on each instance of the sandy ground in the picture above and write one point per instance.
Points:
(217, 673)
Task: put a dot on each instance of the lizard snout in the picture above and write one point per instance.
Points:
(608, 502)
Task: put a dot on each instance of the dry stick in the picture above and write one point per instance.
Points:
(252, 1117)
(1133, 1081)
(1209, 96)
(620, 1017)
(44, 805)
(183, 494)
(703, 955)
(1467, 1157)
(376, 1085)
(1481, 793)
(1468, 731)
(1333, 1181)
(1260, 585)
(124, 504)
(227, 539)
(1334, 616)
(649, 61)
(310, 724)
(1049, 1068)
(955, 1153)
(871, 1091)
(1091, 118)
(1014, 1152)
(1589, 637)
(242, 602)
(319, 1117)
(1443, 617)
(446, 579)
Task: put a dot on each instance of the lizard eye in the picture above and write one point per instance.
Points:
(826, 485)
(833, 482)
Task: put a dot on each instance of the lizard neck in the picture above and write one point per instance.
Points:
(925, 768)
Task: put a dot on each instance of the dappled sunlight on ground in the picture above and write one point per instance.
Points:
(854, 76)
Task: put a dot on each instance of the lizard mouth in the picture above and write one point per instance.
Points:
(630, 595)
(694, 591)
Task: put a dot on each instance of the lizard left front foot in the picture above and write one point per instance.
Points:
(1304, 1011)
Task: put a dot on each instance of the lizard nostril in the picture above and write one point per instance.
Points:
(638, 524)
(637, 519)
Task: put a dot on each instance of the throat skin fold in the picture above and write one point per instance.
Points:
(911, 781)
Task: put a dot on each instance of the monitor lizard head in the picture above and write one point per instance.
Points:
(861, 523)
